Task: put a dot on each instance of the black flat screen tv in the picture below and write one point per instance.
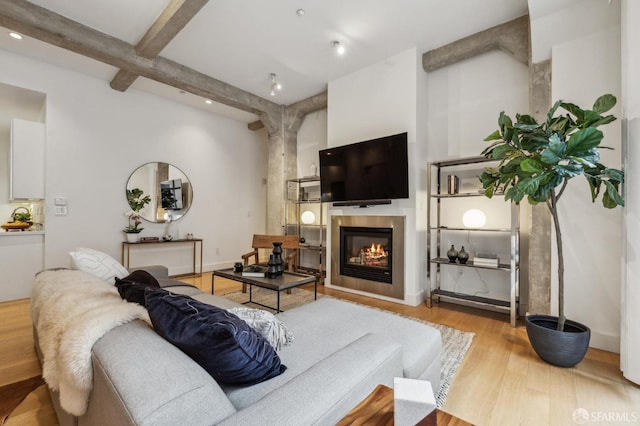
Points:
(365, 172)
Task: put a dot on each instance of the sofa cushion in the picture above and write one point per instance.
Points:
(131, 287)
(223, 344)
(98, 264)
(141, 276)
(265, 323)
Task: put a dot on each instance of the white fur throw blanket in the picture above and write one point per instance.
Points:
(71, 310)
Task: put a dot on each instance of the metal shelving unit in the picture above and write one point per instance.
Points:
(437, 253)
(303, 195)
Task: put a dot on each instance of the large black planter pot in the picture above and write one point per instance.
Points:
(562, 348)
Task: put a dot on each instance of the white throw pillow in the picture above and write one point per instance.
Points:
(97, 264)
(265, 323)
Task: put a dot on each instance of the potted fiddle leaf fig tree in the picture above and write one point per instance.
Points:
(537, 160)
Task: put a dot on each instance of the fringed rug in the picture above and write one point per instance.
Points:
(13, 394)
(455, 343)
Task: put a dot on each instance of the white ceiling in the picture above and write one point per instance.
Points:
(241, 41)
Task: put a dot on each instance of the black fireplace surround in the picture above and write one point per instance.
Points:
(366, 253)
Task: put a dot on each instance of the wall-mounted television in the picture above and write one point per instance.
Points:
(370, 172)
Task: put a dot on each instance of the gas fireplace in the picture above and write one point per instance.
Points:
(367, 254)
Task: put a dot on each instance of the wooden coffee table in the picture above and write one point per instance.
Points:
(283, 282)
(377, 410)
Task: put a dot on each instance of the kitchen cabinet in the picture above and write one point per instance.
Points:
(26, 160)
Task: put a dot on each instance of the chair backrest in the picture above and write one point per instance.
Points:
(266, 241)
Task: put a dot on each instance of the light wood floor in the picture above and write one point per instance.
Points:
(501, 380)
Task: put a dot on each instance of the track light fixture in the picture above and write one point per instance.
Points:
(274, 84)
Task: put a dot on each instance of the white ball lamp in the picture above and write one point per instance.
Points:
(474, 218)
(308, 217)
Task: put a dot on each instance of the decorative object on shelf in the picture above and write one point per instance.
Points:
(149, 239)
(308, 217)
(474, 218)
(452, 254)
(20, 221)
(189, 236)
(537, 160)
(137, 200)
(463, 256)
(453, 184)
(277, 257)
(167, 237)
(486, 259)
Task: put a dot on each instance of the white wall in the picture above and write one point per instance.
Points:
(556, 21)
(630, 102)
(384, 99)
(97, 136)
(591, 233)
(465, 100)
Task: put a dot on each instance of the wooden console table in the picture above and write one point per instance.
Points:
(377, 410)
(126, 248)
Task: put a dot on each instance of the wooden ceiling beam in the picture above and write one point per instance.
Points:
(49, 27)
(170, 22)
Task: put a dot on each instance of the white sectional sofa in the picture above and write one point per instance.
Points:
(340, 353)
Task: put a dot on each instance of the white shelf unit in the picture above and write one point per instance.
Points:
(470, 196)
(303, 197)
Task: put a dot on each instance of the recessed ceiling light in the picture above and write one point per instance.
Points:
(15, 35)
(300, 12)
(208, 102)
(338, 46)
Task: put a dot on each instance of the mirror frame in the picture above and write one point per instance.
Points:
(158, 179)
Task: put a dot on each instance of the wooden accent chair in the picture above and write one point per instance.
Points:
(290, 246)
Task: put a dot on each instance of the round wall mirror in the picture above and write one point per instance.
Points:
(168, 188)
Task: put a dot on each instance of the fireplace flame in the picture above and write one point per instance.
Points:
(376, 248)
(376, 251)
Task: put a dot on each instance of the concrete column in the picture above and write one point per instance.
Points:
(539, 250)
(283, 125)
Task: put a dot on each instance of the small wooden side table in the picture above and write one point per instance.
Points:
(377, 410)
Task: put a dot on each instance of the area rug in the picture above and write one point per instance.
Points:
(455, 343)
(13, 394)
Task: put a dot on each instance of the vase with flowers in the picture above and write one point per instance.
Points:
(137, 200)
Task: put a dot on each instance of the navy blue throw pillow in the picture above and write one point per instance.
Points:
(131, 287)
(223, 344)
